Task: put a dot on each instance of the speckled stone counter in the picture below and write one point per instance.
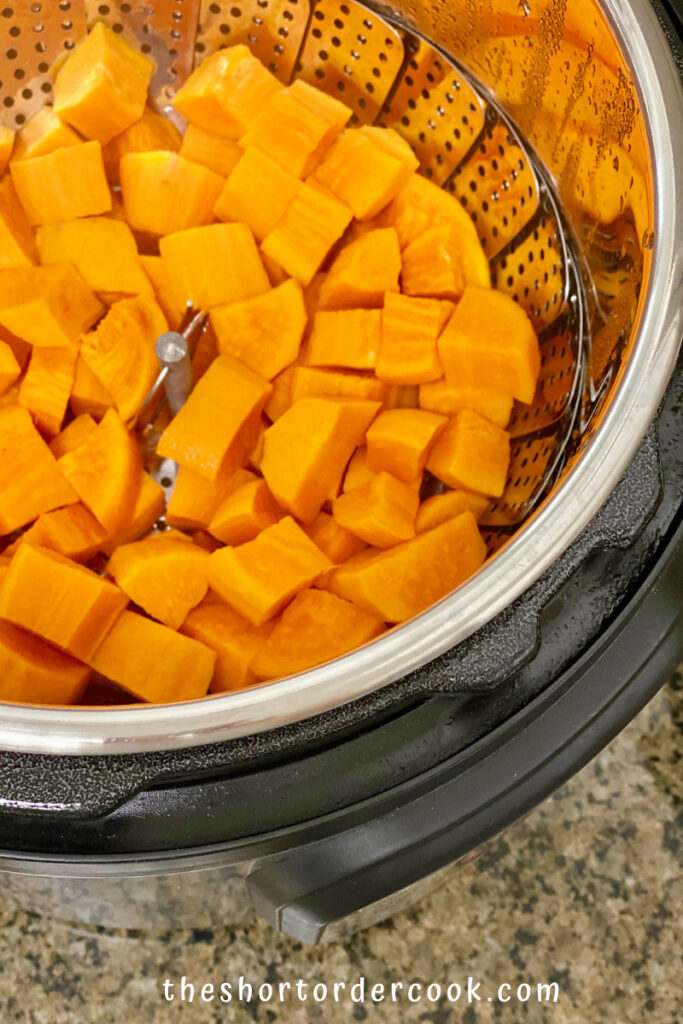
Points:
(586, 891)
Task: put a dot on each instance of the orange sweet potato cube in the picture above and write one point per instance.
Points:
(184, 193)
(490, 343)
(213, 151)
(366, 168)
(410, 330)
(173, 306)
(259, 578)
(315, 628)
(311, 225)
(242, 515)
(149, 507)
(103, 251)
(422, 205)
(363, 272)
(400, 440)
(441, 507)
(47, 385)
(216, 429)
(306, 452)
(10, 370)
(88, 395)
(397, 584)
(121, 352)
(235, 641)
(149, 134)
(265, 332)
(30, 481)
(106, 472)
(76, 608)
(333, 540)
(297, 126)
(32, 672)
(257, 192)
(432, 265)
(102, 88)
(73, 436)
(348, 338)
(17, 244)
(72, 531)
(44, 133)
(63, 185)
(227, 92)
(441, 397)
(47, 306)
(212, 265)
(381, 512)
(7, 143)
(472, 453)
(152, 662)
(195, 499)
(167, 578)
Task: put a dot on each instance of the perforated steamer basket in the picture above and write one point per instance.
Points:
(559, 126)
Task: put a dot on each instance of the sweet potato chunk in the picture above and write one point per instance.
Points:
(150, 133)
(72, 531)
(472, 453)
(102, 88)
(441, 507)
(7, 141)
(397, 584)
(31, 672)
(441, 397)
(297, 126)
(306, 451)
(209, 266)
(62, 602)
(312, 223)
(432, 265)
(106, 472)
(216, 429)
(43, 134)
(63, 185)
(173, 305)
(348, 338)
(490, 343)
(235, 641)
(121, 352)
(102, 250)
(363, 272)
(148, 508)
(381, 512)
(257, 192)
(245, 513)
(47, 385)
(265, 332)
(89, 397)
(366, 168)
(167, 578)
(400, 440)
(259, 578)
(332, 539)
(10, 370)
(72, 436)
(410, 329)
(50, 306)
(227, 92)
(152, 662)
(184, 193)
(17, 244)
(195, 499)
(213, 151)
(316, 627)
(30, 481)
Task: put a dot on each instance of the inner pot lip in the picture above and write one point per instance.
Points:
(137, 729)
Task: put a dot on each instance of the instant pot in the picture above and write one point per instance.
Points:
(329, 800)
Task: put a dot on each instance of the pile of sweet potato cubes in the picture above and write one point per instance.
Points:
(355, 351)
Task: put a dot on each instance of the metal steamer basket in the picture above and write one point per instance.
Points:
(559, 127)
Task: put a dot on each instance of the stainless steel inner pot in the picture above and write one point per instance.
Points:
(592, 89)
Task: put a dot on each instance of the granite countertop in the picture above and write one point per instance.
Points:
(586, 891)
